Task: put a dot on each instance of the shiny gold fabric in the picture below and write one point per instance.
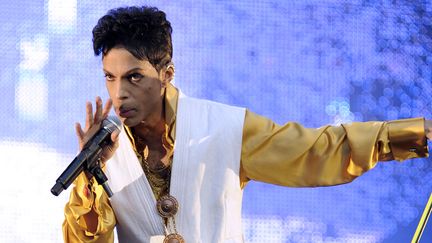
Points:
(88, 218)
(288, 155)
(291, 155)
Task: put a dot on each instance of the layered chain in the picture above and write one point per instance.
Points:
(159, 180)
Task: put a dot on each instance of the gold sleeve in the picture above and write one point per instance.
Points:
(88, 214)
(292, 155)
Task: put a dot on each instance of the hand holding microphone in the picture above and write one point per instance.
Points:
(98, 142)
(93, 124)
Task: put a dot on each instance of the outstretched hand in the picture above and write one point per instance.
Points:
(93, 123)
(428, 129)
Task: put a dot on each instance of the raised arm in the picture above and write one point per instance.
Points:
(88, 214)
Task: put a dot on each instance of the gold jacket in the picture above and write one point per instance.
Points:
(288, 155)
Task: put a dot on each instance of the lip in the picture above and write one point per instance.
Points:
(126, 112)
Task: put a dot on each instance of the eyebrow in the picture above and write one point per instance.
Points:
(127, 73)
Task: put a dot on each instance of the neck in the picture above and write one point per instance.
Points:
(151, 131)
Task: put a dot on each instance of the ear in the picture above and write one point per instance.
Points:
(167, 74)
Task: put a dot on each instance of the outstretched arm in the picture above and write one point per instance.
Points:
(292, 155)
(428, 129)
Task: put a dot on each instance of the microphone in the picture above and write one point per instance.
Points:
(88, 158)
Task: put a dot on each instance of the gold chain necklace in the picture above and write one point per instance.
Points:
(166, 205)
(160, 180)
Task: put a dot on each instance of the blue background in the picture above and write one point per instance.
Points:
(313, 62)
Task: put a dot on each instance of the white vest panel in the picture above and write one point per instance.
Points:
(204, 178)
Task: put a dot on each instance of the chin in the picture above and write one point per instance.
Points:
(129, 122)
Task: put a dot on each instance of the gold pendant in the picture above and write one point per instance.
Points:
(167, 206)
(174, 238)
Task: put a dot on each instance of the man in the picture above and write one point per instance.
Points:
(193, 193)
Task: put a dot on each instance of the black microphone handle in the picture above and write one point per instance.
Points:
(102, 180)
(69, 174)
(88, 157)
(85, 159)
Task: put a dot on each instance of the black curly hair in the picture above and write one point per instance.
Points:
(143, 31)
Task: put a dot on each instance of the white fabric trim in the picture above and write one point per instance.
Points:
(133, 201)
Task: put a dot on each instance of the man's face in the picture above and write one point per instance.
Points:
(134, 86)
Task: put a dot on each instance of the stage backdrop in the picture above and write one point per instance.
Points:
(313, 62)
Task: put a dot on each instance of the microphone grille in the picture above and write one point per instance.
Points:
(112, 123)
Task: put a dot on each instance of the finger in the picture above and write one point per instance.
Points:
(98, 112)
(112, 147)
(89, 115)
(107, 108)
(115, 136)
(80, 133)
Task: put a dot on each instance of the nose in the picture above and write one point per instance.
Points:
(122, 90)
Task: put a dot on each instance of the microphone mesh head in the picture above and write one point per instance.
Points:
(112, 123)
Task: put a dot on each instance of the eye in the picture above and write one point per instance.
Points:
(135, 77)
(109, 77)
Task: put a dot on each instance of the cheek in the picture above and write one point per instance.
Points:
(149, 97)
(151, 89)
